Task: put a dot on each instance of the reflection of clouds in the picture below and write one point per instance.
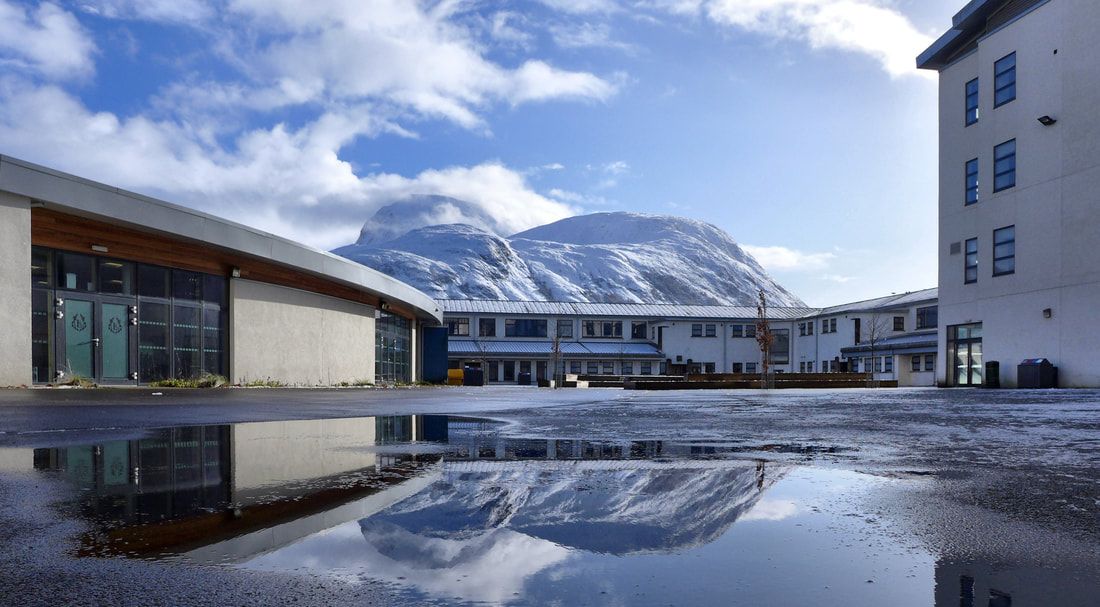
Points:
(490, 566)
(771, 510)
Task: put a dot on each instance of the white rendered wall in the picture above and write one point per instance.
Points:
(15, 290)
(296, 337)
(1054, 205)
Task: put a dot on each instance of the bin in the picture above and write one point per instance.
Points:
(523, 378)
(1036, 373)
(992, 377)
(473, 376)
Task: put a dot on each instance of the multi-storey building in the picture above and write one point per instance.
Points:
(1019, 171)
(892, 336)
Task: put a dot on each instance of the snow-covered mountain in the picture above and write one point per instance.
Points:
(603, 257)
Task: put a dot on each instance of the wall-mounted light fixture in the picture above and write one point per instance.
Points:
(1047, 313)
(1047, 120)
(383, 304)
(235, 272)
(38, 204)
(98, 248)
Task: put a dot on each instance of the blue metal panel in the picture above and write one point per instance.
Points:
(434, 342)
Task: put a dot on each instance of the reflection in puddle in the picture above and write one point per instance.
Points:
(444, 508)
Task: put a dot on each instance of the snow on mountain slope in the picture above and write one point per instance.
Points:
(604, 257)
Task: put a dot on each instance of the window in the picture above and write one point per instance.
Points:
(608, 368)
(565, 328)
(602, 328)
(458, 326)
(525, 327)
(801, 329)
(1004, 251)
(711, 330)
(750, 367)
(750, 331)
(832, 325)
(509, 370)
(628, 368)
(971, 181)
(697, 330)
(486, 327)
(74, 272)
(153, 281)
(867, 364)
(115, 277)
(708, 368)
(971, 102)
(928, 318)
(392, 349)
(647, 368)
(809, 366)
(738, 331)
(737, 368)
(809, 328)
(888, 365)
(637, 330)
(781, 347)
(186, 285)
(971, 273)
(929, 362)
(916, 364)
(899, 323)
(1004, 80)
(575, 367)
(826, 366)
(802, 367)
(1004, 166)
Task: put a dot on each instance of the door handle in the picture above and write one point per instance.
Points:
(95, 341)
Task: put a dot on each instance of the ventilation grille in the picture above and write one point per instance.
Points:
(956, 248)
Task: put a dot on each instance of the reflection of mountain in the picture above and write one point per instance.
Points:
(608, 507)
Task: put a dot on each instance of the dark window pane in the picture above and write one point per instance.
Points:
(75, 272)
(40, 267)
(186, 342)
(1004, 266)
(1004, 235)
(186, 285)
(1003, 182)
(213, 341)
(116, 277)
(41, 333)
(972, 245)
(213, 289)
(153, 342)
(152, 281)
(971, 275)
(1004, 250)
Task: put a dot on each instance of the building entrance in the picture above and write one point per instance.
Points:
(96, 337)
(964, 349)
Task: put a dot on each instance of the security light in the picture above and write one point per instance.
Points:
(1046, 120)
(98, 248)
(235, 273)
(1047, 313)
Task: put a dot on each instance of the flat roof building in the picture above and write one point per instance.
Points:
(1019, 166)
(118, 288)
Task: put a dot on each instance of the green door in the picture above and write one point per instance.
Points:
(115, 341)
(79, 322)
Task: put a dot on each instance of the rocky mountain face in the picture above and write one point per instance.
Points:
(603, 257)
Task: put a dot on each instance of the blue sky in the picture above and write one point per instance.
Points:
(799, 126)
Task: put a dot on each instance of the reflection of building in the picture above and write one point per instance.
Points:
(507, 339)
(1019, 168)
(124, 289)
(973, 583)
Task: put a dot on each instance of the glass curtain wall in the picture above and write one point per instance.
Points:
(392, 349)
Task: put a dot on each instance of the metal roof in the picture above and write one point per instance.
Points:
(85, 198)
(545, 348)
(890, 302)
(967, 25)
(925, 341)
(613, 310)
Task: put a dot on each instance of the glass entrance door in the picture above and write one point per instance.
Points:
(114, 342)
(78, 330)
(964, 346)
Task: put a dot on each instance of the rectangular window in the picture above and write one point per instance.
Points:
(899, 323)
(213, 341)
(971, 102)
(1004, 251)
(525, 327)
(825, 366)
(971, 181)
(711, 330)
(801, 367)
(832, 325)
(738, 331)
(628, 368)
(575, 367)
(697, 330)
(593, 368)
(41, 334)
(737, 368)
(809, 328)
(750, 331)
(608, 368)
(40, 267)
(928, 318)
(1004, 80)
(809, 366)
(888, 365)
(115, 277)
(781, 347)
(801, 329)
(929, 362)
(647, 368)
(153, 281)
(486, 327)
(916, 364)
(509, 370)
(602, 328)
(1004, 166)
(637, 330)
(75, 272)
(186, 285)
(971, 262)
(458, 326)
(186, 341)
(565, 328)
(750, 367)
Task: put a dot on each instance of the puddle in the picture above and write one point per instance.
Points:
(446, 510)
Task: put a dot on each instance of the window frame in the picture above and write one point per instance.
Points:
(697, 329)
(997, 244)
(483, 323)
(972, 92)
(998, 71)
(457, 321)
(998, 157)
(972, 193)
(967, 265)
(899, 323)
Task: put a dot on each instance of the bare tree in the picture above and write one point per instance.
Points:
(764, 336)
(878, 328)
(555, 360)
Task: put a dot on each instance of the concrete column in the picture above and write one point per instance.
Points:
(15, 290)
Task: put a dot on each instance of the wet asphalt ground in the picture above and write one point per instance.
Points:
(1013, 476)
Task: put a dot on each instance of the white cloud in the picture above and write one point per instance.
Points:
(586, 35)
(771, 510)
(582, 7)
(167, 11)
(503, 29)
(870, 27)
(45, 40)
(789, 260)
